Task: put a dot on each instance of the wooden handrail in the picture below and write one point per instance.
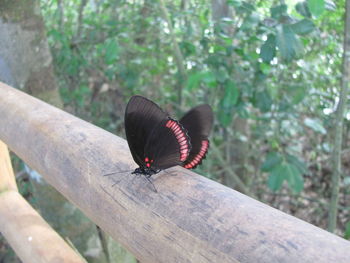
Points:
(25, 230)
(189, 219)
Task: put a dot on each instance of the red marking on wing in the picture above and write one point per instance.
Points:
(181, 137)
(199, 157)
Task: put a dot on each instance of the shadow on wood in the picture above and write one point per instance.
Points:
(189, 219)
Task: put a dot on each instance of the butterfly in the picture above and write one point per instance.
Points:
(158, 142)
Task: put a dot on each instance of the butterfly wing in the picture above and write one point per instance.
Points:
(198, 123)
(168, 145)
(141, 116)
(155, 140)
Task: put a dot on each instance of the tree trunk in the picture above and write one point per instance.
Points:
(25, 59)
(236, 149)
(177, 52)
(338, 133)
(26, 63)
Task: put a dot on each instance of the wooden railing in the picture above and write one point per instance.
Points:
(30, 236)
(189, 219)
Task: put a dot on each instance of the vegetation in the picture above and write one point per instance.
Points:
(271, 70)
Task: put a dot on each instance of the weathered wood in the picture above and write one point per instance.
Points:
(7, 177)
(189, 219)
(28, 234)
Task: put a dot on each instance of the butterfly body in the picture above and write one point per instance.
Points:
(148, 172)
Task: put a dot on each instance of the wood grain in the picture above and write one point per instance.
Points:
(7, 177)
(28, 234)
(189, 219)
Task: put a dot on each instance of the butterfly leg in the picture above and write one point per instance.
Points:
(148, 178)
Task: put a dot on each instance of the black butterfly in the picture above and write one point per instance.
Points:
(157, 141)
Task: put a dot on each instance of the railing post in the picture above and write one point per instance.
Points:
(29, 235)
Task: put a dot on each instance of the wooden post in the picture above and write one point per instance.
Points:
(28, 234)
(189, 219)
(7, 178)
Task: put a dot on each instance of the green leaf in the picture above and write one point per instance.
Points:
(272, 160)
(316, 7)
(195, 78)
(303, 9)
(246, 7)
(294, 178)
(276, 178)
(193, 81)
(208, 77)
(187, 48)
(111, 51)
(227, 103)
(330, 5)
(296, 93)
(262, 100)
(300, 165)
(315, 124)
(234, 3)
(250, 22)
(278, 11)
(288, 43)
(285, 171)
(347, 230)
(303, 27)
(221, 75)
(231, 95)
(268, 49)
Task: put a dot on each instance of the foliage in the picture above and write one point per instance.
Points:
(273, 66)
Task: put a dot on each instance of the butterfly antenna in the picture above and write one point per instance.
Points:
(117, 173)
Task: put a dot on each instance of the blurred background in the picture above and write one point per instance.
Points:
(273, 72)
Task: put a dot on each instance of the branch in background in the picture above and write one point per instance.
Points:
(80, 18)
(177, 52)
(104, 243)
(227, 168)
(320, 160)
(60, 10)
(336, 155)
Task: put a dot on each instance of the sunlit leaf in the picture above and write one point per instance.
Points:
(315, 124)
(278, 11)
(303, 27)
(316, 7)
(268, 49)
(330, 5)
(303, 9)
(288, 43)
